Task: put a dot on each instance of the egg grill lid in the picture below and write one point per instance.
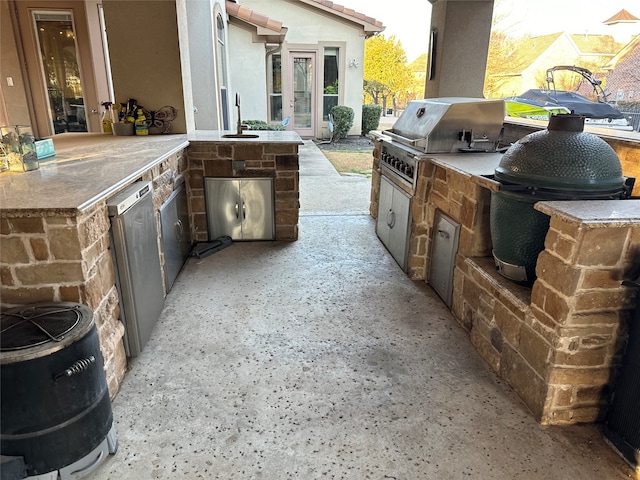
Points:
(562, 157)
(33, 325)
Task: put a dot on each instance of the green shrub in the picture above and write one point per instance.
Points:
(260, 125)
(370, 117)
(342, 121)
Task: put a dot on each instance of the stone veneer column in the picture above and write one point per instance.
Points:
(580, 315)
(245, 160)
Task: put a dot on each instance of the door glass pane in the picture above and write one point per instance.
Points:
(275, 87)
(330, 84)
(57, 40)
(302, 84)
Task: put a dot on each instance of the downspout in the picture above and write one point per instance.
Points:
(270, 52)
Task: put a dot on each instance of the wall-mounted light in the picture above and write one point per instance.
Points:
(353, 62)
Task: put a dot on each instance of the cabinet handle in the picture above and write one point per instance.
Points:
(391, 218)
(444, 234)
(244, 210)
(237, 211)
(179, 228)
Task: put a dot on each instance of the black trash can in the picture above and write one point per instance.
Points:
(56, 411)
(559, 163)
(622, 426)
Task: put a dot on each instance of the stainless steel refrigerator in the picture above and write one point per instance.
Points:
(134, 244)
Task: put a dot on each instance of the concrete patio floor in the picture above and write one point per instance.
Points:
(321, 359)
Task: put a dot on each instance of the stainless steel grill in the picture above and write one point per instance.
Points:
(452, 124)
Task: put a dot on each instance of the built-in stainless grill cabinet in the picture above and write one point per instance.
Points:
(434, 125)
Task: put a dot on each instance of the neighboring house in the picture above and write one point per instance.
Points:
(293, 60)
(525, 67)
(622, 81)
(624, 25)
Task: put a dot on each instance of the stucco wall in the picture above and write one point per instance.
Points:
(199, 62)
(463, 31)
(248, 75)
(145, 54)
(13, 107)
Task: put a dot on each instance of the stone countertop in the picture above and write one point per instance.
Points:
(468, 163)
(596, 213)
(87, 168)
(264, 136)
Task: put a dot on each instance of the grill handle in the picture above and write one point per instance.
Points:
(399, 138)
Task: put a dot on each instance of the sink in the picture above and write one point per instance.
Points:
(240, 135)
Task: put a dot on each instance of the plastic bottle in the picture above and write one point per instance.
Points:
(141, 124)
(107, 123)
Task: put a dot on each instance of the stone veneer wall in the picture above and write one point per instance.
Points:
(559, 344)
(237, 160)
(67, 258)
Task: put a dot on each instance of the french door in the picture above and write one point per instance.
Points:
(58, 54)
(302, 101)
(65, 70)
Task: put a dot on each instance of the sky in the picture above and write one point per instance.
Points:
(409, 20)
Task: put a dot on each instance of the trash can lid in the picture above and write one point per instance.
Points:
(42, 328)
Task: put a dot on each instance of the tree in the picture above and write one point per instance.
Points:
(386, 74)
(501, 47)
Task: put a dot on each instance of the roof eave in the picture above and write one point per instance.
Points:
(370, 25)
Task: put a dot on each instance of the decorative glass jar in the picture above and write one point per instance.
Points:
(18, 149)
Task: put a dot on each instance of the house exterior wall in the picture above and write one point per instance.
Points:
(248, 75)
(145, 54)
(309, 30)
(13, 107)
(197, 20)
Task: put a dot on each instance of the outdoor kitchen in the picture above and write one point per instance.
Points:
(558, 338)
(94, 247)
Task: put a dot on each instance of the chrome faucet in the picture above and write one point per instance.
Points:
(239, 127)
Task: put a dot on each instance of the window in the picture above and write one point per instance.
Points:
(222, 72)
(275, 88)
(330, 92)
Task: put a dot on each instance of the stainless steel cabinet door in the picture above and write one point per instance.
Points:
(135, 242)
(176, 234)
(223, 208)
(393, 221)
(256, 199)
(242, 209)
(444, 247)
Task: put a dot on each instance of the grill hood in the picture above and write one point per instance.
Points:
(451, 124)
